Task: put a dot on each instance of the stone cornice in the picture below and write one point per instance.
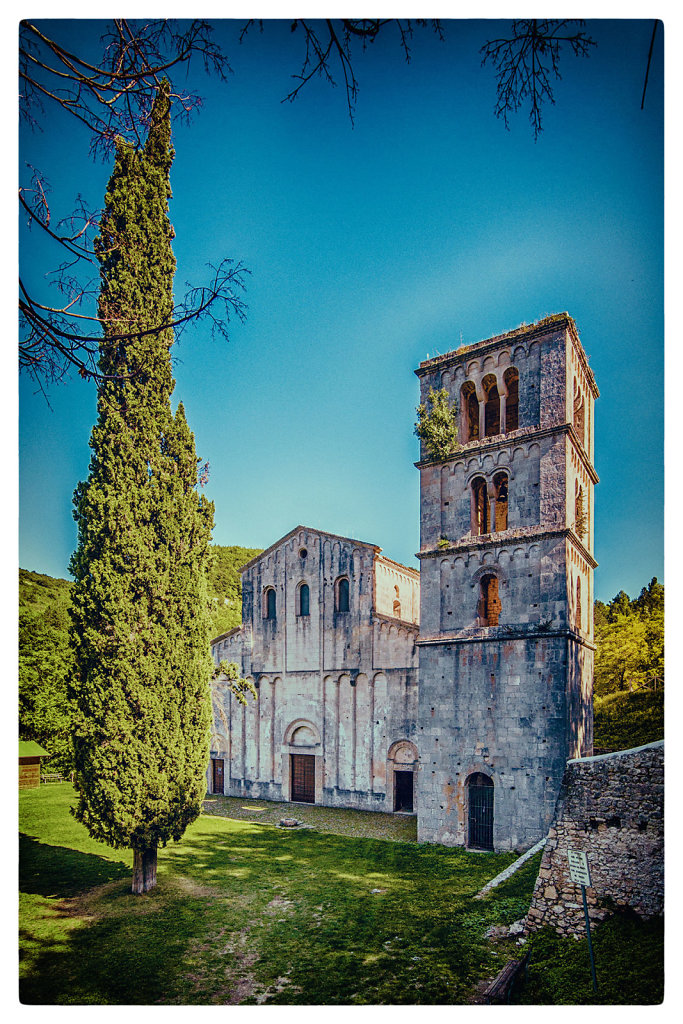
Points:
(506, 538)
(391, 620)
(524, 434)
(502, 634)
(582, 453)
(547, 326)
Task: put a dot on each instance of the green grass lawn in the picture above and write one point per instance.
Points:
(246, 912)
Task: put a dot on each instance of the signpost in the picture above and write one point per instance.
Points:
(579, 873)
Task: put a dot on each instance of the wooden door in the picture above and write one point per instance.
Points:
(218, 775)
(303, 778)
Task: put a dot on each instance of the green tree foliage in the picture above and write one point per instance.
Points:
(45, 663)
(581, 519)
(630, 641)
(45, 656)
(225, 586)
(436, 424)
(139, 601)
(623, 720)
(229, 672)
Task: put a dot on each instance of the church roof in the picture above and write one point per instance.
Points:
(308, 529)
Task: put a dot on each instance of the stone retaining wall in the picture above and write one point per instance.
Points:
(612, 807)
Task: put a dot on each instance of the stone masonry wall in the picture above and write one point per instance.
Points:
(612, 808)
(337, 685)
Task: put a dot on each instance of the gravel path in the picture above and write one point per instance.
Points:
(362, 824)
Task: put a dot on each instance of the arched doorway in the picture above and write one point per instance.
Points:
(401, 767)
(480, 811)
(302, 763)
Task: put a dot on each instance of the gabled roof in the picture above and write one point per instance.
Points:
(308, 529)
(29, 748)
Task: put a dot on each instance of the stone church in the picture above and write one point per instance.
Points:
(457, 693)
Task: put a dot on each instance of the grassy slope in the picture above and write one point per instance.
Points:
(629, 965)
(624, 720)
(248, 912)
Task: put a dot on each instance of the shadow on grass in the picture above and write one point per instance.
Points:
(86, 939)
(136, 956)
(58, 871)
(361, 920)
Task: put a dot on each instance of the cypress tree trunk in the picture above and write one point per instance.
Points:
(140, 628)
(144, 870)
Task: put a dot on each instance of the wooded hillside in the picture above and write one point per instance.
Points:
(45, 659)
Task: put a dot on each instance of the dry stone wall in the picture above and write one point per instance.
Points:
(611, 807)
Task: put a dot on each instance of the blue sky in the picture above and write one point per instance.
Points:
(424, 226)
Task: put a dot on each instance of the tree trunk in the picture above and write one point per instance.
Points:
(144, 870)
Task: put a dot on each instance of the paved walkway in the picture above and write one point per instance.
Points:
(362, 824)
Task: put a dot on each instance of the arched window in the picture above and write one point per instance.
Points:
(269, 603)
(303, 603)
(489, 606)
(480, 507)
(480, 811)
(492, 406)
(500, 486)
(511, 378)
(579, 617)
(397, 603)
(341, 595)
(469, 404)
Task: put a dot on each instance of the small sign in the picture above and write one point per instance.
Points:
(578, 867)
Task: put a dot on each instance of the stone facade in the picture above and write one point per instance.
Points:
(505, 598)
(612, 808)
(328, 637)
(506, 632)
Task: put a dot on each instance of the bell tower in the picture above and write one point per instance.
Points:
(506, 552)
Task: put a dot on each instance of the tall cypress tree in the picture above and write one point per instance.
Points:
(140, 610)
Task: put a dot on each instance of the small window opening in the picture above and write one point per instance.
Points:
(303, 553)
(579, 617)
(500, 483)
(269, 604)
(470, 412)
(491, 407)
(304, 599)
(397, 609)
(489, 606)
(342, 595)
(480, 507)
(511, 378)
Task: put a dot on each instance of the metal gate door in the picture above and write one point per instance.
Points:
(480, 811)
(303, 778)
(218, 775)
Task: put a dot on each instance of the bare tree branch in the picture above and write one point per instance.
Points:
(329, 49)
(528, 62)
(113, 100)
